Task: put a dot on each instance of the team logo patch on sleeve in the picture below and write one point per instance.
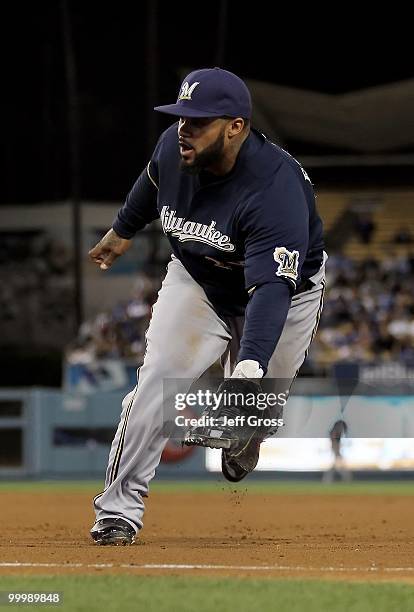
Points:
(288, 262)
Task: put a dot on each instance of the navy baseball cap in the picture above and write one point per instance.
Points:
(211, 92)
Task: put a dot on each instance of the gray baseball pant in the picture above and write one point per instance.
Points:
(185, 337)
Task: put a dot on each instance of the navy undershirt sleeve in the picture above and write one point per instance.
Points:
(265, 318)
(140, 207)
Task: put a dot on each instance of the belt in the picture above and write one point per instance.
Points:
(305, 285)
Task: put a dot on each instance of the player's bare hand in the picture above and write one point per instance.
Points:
(108, 249)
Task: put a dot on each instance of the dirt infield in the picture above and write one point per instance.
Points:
(227, 532)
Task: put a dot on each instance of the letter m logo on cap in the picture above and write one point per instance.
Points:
(187, 90)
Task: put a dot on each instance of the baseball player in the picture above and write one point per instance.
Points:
(336, 435)
(245, 282)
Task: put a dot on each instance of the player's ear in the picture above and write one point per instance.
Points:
(235, 127)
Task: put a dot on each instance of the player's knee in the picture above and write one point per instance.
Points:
(174, 369)
(180, 360)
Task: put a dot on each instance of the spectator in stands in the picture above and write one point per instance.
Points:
(119, 333)
(403, 236)
(364, 227)
(368, 317)
(368, 314)
(37, 290)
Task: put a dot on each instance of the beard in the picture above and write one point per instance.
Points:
(210, 156)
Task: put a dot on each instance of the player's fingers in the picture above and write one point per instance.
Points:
(98, 259)
(108, 260)
(95, 250)
(99, 255)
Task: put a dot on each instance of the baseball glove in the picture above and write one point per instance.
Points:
(235, 422)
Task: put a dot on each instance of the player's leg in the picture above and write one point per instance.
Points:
(299, 330)
(185, 337)
(291, 350)
(293, 346)
(294, 342)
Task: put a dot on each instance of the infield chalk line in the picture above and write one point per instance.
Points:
(254, 568)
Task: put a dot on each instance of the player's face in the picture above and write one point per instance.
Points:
(201, 142)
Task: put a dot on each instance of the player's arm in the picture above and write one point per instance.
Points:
(140, 208)
(277, 228)
(265, 317)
